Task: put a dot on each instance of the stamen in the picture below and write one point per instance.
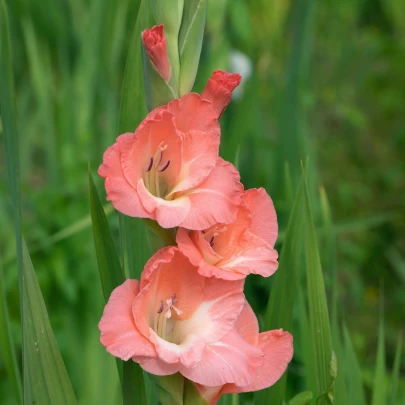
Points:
(212, 240)
(150, 165)
(160, 310)
(165, 166)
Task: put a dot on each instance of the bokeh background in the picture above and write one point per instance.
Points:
(321, 79)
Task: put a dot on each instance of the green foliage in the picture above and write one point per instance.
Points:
(326, 80)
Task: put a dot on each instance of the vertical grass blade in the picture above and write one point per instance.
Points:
(109, 266)
(45, 377)
(279, 313)
(396, 372)
(325, 370)
(7, 347)
(352, 371)
(380, 385)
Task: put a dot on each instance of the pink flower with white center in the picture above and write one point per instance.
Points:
(175, 320)
(169, 170)
(277, 347)
(232, 251)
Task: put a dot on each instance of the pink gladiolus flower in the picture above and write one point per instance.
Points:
(219, 89)
(168, 170)
(175, 320)
(154, 42)
(235, 250)
(277, 347)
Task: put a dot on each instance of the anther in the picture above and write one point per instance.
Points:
(212, 241)
(160, 310)
(150, 165)
(165, 166)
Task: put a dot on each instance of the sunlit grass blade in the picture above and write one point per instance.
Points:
(318, 313)
(109, 266)
(7, 347)
(380, 383)
(45, 377)
(396, 372)
(352, 371)
(279, 313)
(329, 264)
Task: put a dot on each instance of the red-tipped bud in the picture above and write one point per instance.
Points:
(219, 89)
(154, 42)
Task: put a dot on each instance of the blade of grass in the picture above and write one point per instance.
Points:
(279, 313)
(396, 371)
(379, 385)
(329, 263)
(325, 370)
(301, 399)
(352, 370)
(45, 377)
(7, 346)
(109, 266)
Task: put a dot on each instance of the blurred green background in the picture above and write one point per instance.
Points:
(323, 79)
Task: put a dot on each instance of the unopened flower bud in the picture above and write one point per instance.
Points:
(219, 89)
(154, 42)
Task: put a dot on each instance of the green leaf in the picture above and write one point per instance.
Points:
(380, 384)
(301, 399)
(7, 346)
(190, 42)
(133, 389)
(45, 377)
(318, 313)
(396, 372)
(352, 371)
(170, 388)
(329, 262)
(279, 313)
(109, 266)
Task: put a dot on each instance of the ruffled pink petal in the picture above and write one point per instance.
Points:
(119, 333)
(157, 366)
(188, 352)
(264, 217)
(216, 199)
(200, 153)
(255, 257)
(278, 351)
(168, 214)
(187, 246)
(216, 315)
(122, 195)
(192, 113)
(247, 325)
(231, 360)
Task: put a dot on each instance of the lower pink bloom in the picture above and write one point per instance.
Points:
(235, 250)
(277, 347)
(175, 320)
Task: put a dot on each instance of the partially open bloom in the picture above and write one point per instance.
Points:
(154, 42)
(175, 320)
(232, 251)
(277, 347)
(219, 89)
(168, 170)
